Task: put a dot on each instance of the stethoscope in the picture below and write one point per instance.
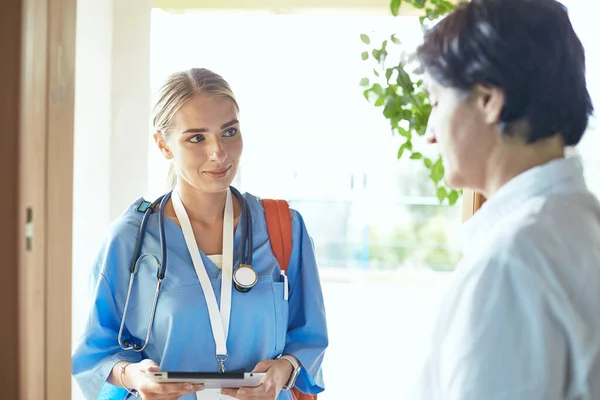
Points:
(244, 277)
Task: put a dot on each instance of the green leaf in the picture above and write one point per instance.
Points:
(364, 82)
(395, 6)
(427, 162)
(388, 73)
(418, 3)
(404, 132)
(416, 156)
(375, 72)
(365, 55)
(442, 194)
(377, 89)
(380, 101)
(390, 109)
(437, 171)
(395, 40)
(365, 38)
(366, 93)
(402, 148)
(453, 197)
(404, 79)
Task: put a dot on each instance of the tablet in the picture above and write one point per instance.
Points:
(210, 379)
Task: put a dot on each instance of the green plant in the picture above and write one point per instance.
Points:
(398, 90)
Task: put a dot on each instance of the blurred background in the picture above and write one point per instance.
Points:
(386, 246)
(385, 243)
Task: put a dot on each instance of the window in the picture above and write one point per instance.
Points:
(312, 138)
(584, 23)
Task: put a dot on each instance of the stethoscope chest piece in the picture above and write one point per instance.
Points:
(244, 278)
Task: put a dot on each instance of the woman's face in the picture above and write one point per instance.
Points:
(464, 126)
(205, 143)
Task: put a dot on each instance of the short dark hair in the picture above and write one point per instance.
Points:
(527, 48)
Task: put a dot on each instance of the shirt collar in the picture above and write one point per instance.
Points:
(554, 176)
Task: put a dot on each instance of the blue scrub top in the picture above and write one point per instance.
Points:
(263, 324)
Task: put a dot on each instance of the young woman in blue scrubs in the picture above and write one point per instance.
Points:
(266, 329)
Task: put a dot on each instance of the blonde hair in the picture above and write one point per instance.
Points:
(180, 88)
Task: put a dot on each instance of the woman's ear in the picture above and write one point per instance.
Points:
(162, 145)
(490, 102)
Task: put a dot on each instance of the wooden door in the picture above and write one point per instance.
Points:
(37, 43)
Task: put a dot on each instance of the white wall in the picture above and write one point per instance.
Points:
(112, 114)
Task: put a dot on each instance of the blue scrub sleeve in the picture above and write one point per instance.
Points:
(98, 349)
(307, 328)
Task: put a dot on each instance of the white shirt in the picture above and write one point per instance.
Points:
(217, 259)
(521, 319)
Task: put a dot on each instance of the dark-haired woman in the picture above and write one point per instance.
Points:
(521, 320)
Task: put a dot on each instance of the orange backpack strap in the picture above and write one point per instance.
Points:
(279, 227)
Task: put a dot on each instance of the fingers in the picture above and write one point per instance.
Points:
(168, 390)
(232, 393)
(263, 366)
(153, 368)
(179, 388)
(267, 387)
(150, 390)
(148, 365)
(267, 390)
(257, 393)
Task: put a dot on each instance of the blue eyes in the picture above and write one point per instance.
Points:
(231, 132)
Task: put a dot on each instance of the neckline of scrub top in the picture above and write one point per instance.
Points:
(172, 230)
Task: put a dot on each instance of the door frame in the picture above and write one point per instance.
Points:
(38, 71)
(472, 201)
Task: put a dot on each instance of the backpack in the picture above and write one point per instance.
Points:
(279, 227)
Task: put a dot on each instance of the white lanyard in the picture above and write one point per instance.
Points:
(219, 321)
